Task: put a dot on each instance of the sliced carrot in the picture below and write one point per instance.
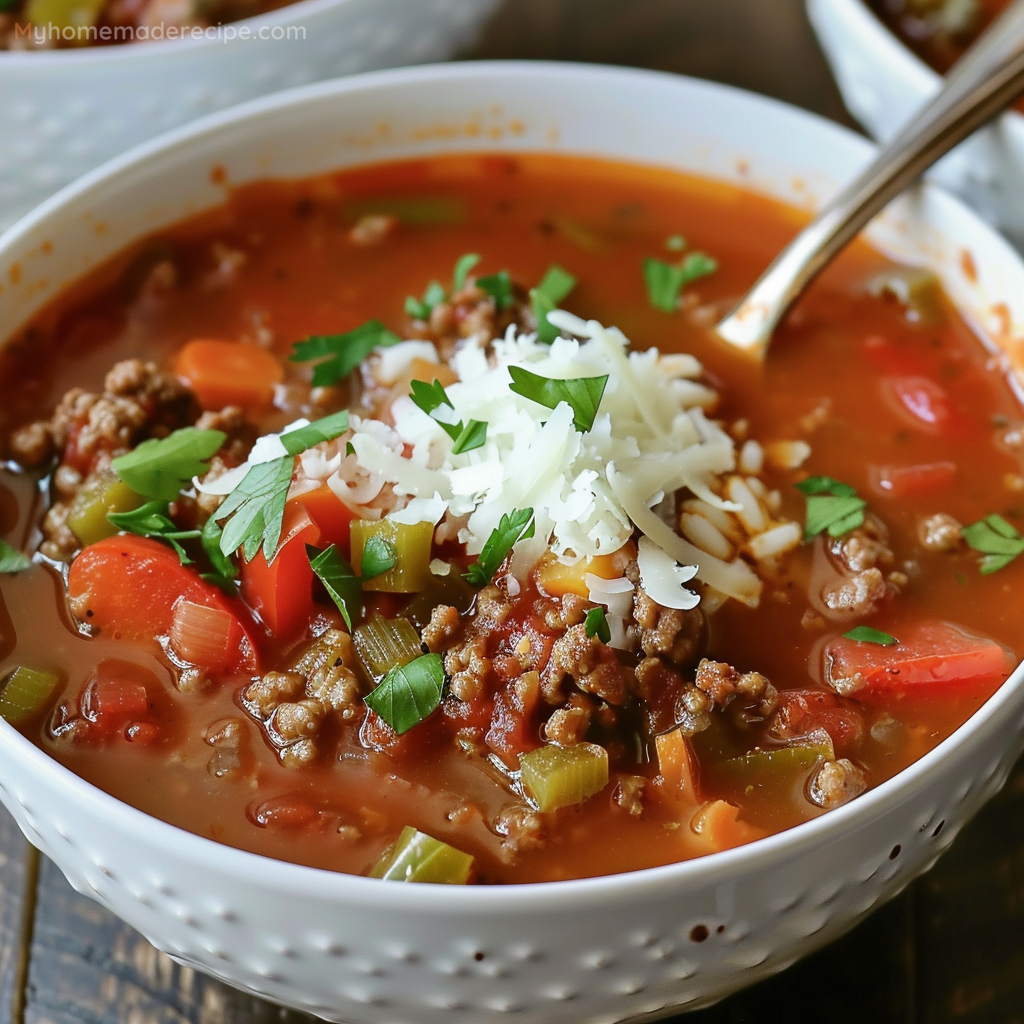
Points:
(225, 373)
(677, 766)
(719, 827)
(929, 658)
(281, 593)
(558, 579)
(129, 586)
(331, 515)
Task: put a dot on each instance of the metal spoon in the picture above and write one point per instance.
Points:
(988, 77)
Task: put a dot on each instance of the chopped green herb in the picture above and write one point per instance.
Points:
(224, 568)
(255, 509)
(162, 467)
(429, 397)
(325, 429)
(12, 560)
(583, 394)
(996, 539)
(675, 243)
(555, 286)
(499, 287)
(463, 265)
(379, 557)
(409, 693)
(597, 625)
(867, 635)
(350, 448)
(152, 520)
(832, 507)
(341, 583)
(467, 436)
(420, 309)
(666, 280)
(340, 354)
(513, 527)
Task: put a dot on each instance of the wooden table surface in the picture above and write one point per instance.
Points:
(951, 948)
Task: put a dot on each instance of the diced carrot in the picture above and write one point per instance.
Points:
(677, 766)
(421, 369)
(557, 579)
(330, 514)
(129, 586)
(225, 373)
(909, 481)
(929, 658)
(719, 827)
(281, 593)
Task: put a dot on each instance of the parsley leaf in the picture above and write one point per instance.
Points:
(555, 286)
(341, 583)
(379, 556)
(463, 265)
(255, 509)
(499, 287)
(409, 693)
(832, 506)
(162, 467)
(429, 397)
(224, 569)
(420, 309)
(513, 527)
(341, 353)
(327, 428)
(996, 539)
(12, 560)
(467, 436)
(582, 393)
(152, 520)
(666, 280)
(867, 635)
(597, 625)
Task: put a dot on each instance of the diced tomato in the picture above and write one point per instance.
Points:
(286, 813)
(678, 768)
(331, 515)
(923, 402)
(115, 699)
(930, 658)
(129, 586)
(281, 593)
(890, 357)
(910, 481)
(144, 734)
(801, 713)
(513, 729)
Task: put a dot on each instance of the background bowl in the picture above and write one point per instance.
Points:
(66, 111)
(883, 82)
(586, 951)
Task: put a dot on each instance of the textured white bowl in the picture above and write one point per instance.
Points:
(598, 950)
(883, 82)
(67, 111)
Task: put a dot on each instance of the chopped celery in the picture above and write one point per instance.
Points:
(24, 692)
(451, 590)
(411, 543)
(64, 13)
(558, 776)
(384, 644)
(95, 501)
(417, 857)
(412, 209)
(767, 776)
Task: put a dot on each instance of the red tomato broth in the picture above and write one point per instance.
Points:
(303, 276)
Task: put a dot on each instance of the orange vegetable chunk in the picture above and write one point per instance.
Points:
(225, 373)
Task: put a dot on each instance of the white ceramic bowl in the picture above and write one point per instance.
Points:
(596, 950)
(883, 82)
(66, 111)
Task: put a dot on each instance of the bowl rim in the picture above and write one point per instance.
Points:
(122, 53)
(515, 899)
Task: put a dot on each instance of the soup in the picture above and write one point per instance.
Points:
(362, 542)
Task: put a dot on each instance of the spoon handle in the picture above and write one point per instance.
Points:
(986, 79)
